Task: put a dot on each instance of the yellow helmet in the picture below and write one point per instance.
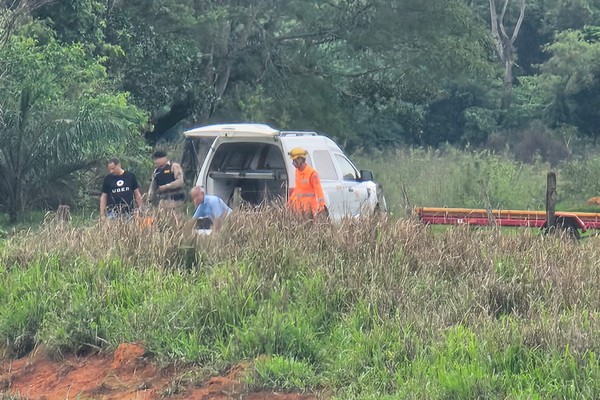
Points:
(298, 152)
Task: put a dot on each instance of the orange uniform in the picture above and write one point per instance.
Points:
(308, 194)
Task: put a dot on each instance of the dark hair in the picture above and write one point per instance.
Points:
(159, 154)
(114, 160)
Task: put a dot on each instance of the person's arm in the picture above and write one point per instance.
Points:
(197, 212)
(103, 206)
(221, 214)
(292, 199)
(138, 199)
(178, 172)
(318, 188)
(137, 195)
(177, 183)
(152, 188)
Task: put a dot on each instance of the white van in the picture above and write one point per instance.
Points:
(251, 161)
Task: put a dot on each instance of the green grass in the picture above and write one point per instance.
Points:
(368, 309)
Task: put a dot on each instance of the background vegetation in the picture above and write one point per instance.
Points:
(83, 79)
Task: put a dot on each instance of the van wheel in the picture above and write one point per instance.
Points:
(379, 209)
(381, 206)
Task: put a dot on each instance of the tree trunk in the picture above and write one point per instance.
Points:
(508, 83)
(12, 215)
(504, 44)
(15, 203)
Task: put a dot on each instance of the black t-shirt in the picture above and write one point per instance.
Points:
(119, 191)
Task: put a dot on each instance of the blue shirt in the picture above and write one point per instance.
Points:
(212, 207)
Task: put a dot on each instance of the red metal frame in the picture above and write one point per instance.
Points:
(535, 219)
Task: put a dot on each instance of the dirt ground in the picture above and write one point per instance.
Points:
(125, 375)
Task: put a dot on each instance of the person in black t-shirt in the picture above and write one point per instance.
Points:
(119, 190)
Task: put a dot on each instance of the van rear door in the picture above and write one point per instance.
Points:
(232, 130)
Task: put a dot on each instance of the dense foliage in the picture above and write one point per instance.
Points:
(374, 73)
(56, 118)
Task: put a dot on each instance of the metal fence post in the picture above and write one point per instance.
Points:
(551, 201)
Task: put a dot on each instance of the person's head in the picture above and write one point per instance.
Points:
(160, 158)
(298, 156)
(114, 166)
(197, 195)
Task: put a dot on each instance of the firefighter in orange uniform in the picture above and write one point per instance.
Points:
(307, 197)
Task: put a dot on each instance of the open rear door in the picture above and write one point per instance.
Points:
(232, 130)
(200, 139)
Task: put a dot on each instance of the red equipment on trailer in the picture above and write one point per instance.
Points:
(572, 222)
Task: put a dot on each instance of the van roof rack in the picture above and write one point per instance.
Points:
(297, 133)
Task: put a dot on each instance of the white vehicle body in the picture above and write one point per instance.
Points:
(252, 160)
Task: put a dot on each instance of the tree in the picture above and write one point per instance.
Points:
(58, 115)
(422, 58)
(504, 41)
(12, 14)
(364, 71)
(572, 76)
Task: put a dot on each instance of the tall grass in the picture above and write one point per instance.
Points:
(367, 308)
(451, 178)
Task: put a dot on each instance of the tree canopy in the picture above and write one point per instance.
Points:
(375, 73)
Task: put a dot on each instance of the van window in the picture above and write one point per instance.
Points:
(273, 159)
(348, 171)
(324, 165)
(247, 156)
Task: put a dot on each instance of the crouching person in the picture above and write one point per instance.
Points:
(210, 210)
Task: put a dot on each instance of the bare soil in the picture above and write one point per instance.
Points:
(125, 375)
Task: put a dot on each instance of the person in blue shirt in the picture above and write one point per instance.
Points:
(208, 207)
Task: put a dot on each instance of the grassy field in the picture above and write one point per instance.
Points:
(367, 309)
(371, 308)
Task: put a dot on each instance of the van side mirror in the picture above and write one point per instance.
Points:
(366, 175)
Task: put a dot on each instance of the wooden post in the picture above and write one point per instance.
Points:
(187, 256)
(407, 208)
(550, 201)
(63, 214)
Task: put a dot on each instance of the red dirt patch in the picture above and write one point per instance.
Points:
(127, 375)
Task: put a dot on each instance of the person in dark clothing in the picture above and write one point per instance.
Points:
(119, 190)
(167, 182)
